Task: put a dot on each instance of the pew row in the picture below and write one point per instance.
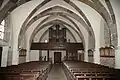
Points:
(76, 70)
(36, 70)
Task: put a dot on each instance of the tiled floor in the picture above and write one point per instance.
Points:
(57, 73)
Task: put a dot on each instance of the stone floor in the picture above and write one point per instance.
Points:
(57, 73)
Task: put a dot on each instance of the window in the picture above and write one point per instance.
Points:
(2, 25)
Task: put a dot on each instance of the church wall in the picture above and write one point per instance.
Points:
(9, 58)
(34, 55)
(28, 35)
(17, 18)
(40, 33)
(51, 54)
(44, 55)
(107, 61)
(69, 36)
(61, 3)
(116, 8)
(102, 40)
(44, 37)
(116, 5)
(86, 40)
(95, 21)
(4, 56)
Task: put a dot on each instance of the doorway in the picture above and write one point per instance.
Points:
(57, 57)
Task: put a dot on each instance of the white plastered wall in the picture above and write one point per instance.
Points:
(4, 56)
(28, 35)
(116, 7)
(25, 9)
(16, 22)
(41, 33)
(34, 55)
(102, 40)
(69, 36)
(18, 16)
(95, 20)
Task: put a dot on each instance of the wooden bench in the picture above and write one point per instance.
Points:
(26, 71)
(75, 70)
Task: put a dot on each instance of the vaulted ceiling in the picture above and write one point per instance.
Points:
(69, 14)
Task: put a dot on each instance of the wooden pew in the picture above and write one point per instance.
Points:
(75, 70)
(26, 71)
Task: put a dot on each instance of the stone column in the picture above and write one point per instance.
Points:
(4, 56)
(15, 57)
(96, 56)
(117, 57)
(86, 56)
(9, 58)
(28, 56)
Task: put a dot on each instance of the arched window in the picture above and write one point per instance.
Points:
(2, 25)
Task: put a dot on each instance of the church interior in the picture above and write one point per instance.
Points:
(59, 40)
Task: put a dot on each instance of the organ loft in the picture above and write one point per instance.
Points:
(59, 40)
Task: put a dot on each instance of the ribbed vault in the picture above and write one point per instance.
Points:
(52, 11)
(107, 15)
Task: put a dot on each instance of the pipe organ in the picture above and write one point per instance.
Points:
(57, 35)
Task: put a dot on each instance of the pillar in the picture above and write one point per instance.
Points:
(96, 56)
(117, 57)
(28, 56)
(9, 58)
(15, 57)
(4, 56)
(86, 56)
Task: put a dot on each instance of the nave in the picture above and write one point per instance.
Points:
(67, 70)
(36, 34)
(57, 73)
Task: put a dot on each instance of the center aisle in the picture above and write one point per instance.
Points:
(57, 73)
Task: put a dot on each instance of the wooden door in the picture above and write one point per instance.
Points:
(57, 57)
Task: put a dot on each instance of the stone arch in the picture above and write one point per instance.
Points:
(63, 25)
(96, 5)
(53, 22)
(50, 13)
